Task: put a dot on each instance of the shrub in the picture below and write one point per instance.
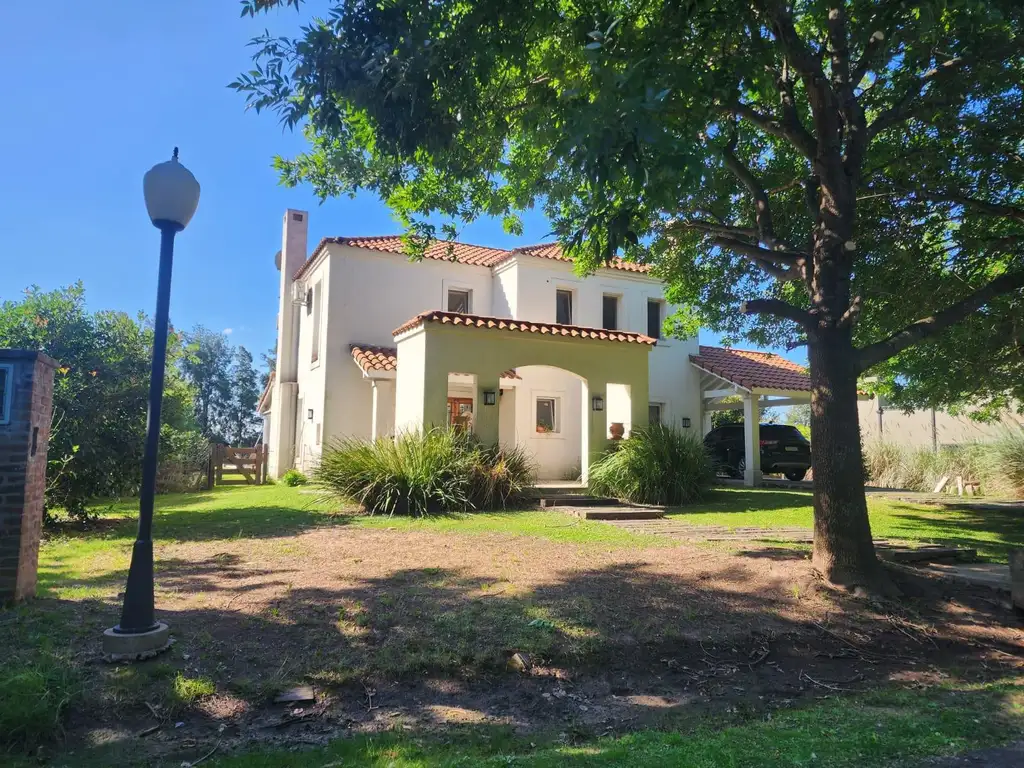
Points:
(656, 465)
(501, 476)
(998, 466)
(438, 471)
(293, 478)
(1008, 456)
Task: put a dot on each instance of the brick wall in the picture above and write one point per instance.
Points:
(23, 443)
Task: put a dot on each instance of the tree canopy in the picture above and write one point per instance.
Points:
(845, 173)
(101, 393)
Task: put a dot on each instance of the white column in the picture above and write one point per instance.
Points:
(705, 418)
(752, 440)
(383, 417)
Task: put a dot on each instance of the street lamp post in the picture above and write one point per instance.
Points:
(172, 195)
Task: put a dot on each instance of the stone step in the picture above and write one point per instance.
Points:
(576, 500)
(926, 554)
(616, 513)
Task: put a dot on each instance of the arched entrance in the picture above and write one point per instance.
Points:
(433, 345)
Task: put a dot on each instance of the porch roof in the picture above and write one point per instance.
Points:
(522, 326)
(753, 371)
(373, 359)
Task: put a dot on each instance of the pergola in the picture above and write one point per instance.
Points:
(760, 380)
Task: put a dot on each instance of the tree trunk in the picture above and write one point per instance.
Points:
(843, 548)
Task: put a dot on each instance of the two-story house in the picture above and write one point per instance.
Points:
(511, 344)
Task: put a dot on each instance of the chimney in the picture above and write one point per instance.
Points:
(291, 257)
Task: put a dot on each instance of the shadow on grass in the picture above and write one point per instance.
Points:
(635, 642)
(966, 527)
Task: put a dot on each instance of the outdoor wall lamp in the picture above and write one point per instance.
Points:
(490, 397)
(309, 414)
(686, 422)
(597, 403)
(172, 196)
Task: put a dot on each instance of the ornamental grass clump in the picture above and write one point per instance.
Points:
(419, 474)
(658, 464)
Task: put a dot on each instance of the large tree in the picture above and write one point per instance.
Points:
(100, 391)
(241, 421)
(841, 173)
(206, 364)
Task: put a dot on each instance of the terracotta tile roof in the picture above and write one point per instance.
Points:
(753, 370)
(462, 253)
(522, 326)
(554, 251)
(371, 358)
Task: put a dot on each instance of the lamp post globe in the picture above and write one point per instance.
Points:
(172, 196)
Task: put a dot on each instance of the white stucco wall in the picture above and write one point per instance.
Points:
(366, 294)
(312, 375)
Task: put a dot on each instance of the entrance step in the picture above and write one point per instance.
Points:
(550, 488)
(925, 554)
(576, 500)
(616, 513)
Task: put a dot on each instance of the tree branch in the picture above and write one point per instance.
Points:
(981, 206)
(778, 308)
(929, 326)
(787, 130)
(752, 250)
(875, 44)
(762, 208)
(908, 103)
(843, 86)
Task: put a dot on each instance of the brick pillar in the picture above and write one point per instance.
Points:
(26, 403)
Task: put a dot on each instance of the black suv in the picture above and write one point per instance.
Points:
(783, 450)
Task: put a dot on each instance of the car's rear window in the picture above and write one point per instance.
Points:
(780, 432)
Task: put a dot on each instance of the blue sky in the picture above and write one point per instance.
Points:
(99, 91)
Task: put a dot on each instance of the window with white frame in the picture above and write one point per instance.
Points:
(547, 415)
(317, 300)
(6, 391)
(459, 300)
(610, 312)
(563, 307)
(655, 413)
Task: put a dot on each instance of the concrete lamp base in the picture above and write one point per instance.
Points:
(118, 647)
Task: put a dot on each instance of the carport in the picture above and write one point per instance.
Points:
(761, 380)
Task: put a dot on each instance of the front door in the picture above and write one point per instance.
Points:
(460, 412)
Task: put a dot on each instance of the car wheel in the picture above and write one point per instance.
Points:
(741, 467)
(796, 475)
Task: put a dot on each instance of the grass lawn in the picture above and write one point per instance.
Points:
(992, 532)
(640, 648)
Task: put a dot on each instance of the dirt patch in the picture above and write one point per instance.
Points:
(414, 630)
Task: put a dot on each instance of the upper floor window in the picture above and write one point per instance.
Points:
(317, 301)
(563, 307)
(458, 300)
(610, 313)
(654, 318)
